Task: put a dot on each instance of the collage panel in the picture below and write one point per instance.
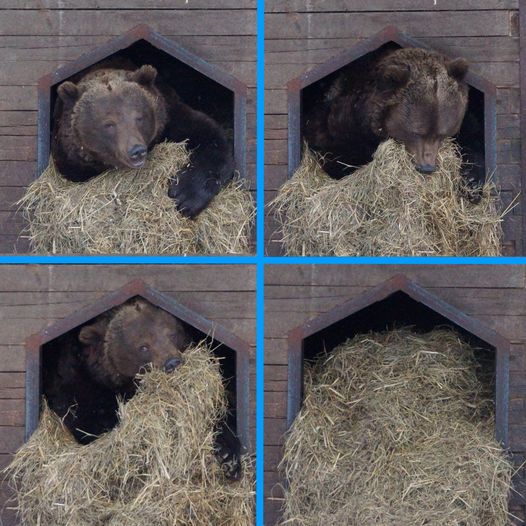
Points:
(393, 394)
(127, 394)
(393, 128)
(128, 128)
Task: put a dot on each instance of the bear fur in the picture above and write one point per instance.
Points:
(112, 116)
(89, 369)
(411, 95)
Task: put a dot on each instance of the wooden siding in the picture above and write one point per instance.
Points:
(38, 36)
(35, 296)
(494, 295)
(300, 35)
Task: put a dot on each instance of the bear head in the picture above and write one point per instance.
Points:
(131, 338)
(115, 114)
(421, 99)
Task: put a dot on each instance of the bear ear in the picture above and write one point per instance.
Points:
(395, 75)
(145, 75)
(93, 334)
(457, 68)
(68, 91)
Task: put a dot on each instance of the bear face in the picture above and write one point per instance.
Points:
(115, 115)
(427, 104)
(411, 95)
(136, 335)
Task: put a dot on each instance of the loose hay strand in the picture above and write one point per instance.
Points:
(396, 428)
(129, 212)
(387, 208)
(157, 467)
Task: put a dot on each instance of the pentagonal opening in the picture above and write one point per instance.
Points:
(474, 144)
(396, 311)
(62, 356)
(195, 89)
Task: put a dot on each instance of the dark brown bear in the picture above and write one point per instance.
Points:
(111, 117)
(90, 369)
(411, 95)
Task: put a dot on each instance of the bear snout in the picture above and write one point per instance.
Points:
(137, 154)
(171, 364)
(426, 169)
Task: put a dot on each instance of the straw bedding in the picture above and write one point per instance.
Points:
(157, 467)
(396, 428)
(129, 212)
(387, 208)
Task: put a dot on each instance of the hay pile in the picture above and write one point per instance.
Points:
(387, 208)
(129, 212)
(156, 468)
(396, 429)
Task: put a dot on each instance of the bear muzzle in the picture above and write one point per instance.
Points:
(172, 364)
(426, 169)
(137, 155)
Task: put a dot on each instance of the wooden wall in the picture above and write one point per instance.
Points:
(495, 295)
(300, 35)
(33, 297)
(38, 36)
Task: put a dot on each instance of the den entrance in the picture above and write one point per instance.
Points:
(86, 399)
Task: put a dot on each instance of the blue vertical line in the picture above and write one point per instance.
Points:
(260, 247)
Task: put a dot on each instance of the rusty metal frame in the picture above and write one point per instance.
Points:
(139, 288)
(141, 32)
(400, 283)
(388, 34)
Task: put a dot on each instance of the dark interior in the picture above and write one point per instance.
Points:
(396, 311)
(471, 137)
(107, 399)
(194, 88)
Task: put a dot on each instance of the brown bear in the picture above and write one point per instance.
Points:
(110, 118)
(411, 95)
(89, 369)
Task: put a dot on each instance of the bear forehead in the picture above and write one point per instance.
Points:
(115, 94)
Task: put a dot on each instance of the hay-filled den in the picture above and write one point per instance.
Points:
(397, 427)
(157, 466)
(129, 212)
(388, 208)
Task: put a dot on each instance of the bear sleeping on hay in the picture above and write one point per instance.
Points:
(388, 208)
(158, 466)
(130, 212)
(397, 428)
(136, 170)
(379, 176)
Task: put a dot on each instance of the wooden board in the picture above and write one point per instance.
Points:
(295, 294)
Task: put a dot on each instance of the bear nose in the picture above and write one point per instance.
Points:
(172, 364)
(426, 168)
(137, 152)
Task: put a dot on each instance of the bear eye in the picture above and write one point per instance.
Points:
(109, 126)
(144, 349)
(139, 118)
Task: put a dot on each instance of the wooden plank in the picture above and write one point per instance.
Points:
(417, 24)
(11, 438)
(104, 278)
(317, 50)
(12, 412)
(154, 5)
(486, 276)
(115, 22)
(286, 6)
(12, 358)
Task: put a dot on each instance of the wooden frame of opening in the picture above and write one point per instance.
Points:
(141, 32)
(388, 34)
(134, 288)
(400, 283)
